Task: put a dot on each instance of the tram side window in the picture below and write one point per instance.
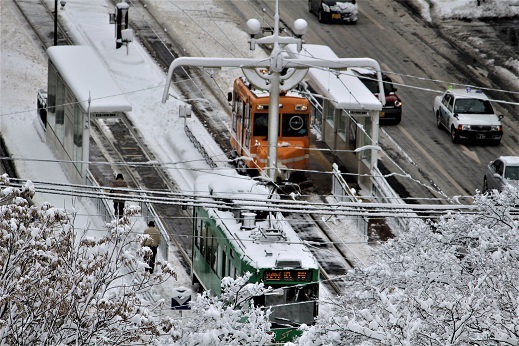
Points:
(246, 125)
(222, 259)
(261, 124)
(235, 111)
(239, 108)
(232, 269)
(197, 232)
(203, 239)
(210, 250)
(213, 253)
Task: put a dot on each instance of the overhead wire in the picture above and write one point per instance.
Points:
(227, 201)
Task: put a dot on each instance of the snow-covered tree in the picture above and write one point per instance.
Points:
(63, 286)
(449, 282)
(231, 319)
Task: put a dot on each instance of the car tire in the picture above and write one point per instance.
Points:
(241, 167)
(310, 6)
(485, 185)
(495, 142)
(438, 120)
(454, 135)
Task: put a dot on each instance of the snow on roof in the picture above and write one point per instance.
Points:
(262, 252)
(364, 71)
(264, 93)
(510, 160)
(85, 74)
(347, 91)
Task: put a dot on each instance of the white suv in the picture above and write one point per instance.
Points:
(468, 114)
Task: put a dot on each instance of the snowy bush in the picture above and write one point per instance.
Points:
(59, 286)
(449, 282)
(230, 319)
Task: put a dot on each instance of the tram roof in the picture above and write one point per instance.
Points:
(262, 252)
(347, 91)
(85, 74)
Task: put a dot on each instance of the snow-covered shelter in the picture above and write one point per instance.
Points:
(347, 112)
(79, 88)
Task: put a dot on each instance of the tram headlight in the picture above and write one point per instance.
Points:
(301, 107)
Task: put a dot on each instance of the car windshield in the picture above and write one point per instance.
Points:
(512, 172)
(372, 84)
(473, 106)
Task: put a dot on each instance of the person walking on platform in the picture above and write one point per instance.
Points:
(118, 201)
(153, 242)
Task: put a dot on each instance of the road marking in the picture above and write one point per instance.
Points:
(435, 164)
(471, 154)
(371, 19)
(510, 149)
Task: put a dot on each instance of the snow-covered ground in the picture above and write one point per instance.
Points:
(436, 11)
(24, 71)
(447, 9)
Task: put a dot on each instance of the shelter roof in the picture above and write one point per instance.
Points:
(86, 76)
(345, 89)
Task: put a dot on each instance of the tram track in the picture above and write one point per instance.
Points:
(332, 261)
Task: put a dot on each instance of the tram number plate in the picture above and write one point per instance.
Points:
(288, 275)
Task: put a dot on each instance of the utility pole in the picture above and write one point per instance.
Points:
(273, 81)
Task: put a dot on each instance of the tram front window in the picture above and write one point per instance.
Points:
(294, 125)
(261, 124)
(292, 305)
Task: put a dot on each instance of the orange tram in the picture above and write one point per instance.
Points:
(249, 137)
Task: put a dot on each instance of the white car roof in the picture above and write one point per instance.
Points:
(472, 93)
(510, 160)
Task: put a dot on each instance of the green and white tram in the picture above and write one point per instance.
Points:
(234, 233)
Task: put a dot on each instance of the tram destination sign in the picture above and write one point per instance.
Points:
(288, 275)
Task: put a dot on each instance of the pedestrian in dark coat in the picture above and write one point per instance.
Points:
(153, 242)
(118, 201)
